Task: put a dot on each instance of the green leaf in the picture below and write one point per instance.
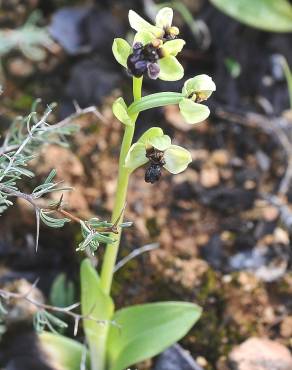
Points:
(154, 100)
(170, 69)
(193, 112)
(64, 352)
(176, 159)
(268, 15)
(52, 222)
(173, 47)
(98, 305)
(120, 110)
(148, 329)
(121, 50)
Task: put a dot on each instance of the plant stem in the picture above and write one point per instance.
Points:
(111, 253)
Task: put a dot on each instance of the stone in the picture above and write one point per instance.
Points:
(260, 354)
(176, 358)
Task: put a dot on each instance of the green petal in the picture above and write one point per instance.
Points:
(160, 142)
(193, 112)
(202, 84)
(173, 47)
(164, 18)
(121, 50)
(120, 110)
(144, 37)
(170, 69)
(176, 159)
(139, 24)
(150, 134)
(136, 156)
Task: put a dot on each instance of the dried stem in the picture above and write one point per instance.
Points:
(5, 148)
(64, 310)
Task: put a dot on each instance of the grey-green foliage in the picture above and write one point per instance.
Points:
(92, 237)
(25, 136)
(19, 147)
(44, 319)
(30, 39)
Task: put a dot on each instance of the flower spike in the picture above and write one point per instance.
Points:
(154, 49)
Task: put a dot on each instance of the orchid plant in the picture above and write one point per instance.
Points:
(122, 338)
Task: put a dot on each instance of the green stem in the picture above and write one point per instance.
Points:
(110, 256)
(155, 100)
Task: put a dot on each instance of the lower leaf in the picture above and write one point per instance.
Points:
(98, 308)
(146, 330)
(63, 353)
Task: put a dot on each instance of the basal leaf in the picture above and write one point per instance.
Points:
(64, 352)
(148, 329)
(99, 306)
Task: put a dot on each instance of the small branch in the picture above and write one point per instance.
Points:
(79, 112)
(134, 254)
(18, 194)
(64, 310)
(65, 122)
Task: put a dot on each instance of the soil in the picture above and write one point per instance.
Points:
(223, 225)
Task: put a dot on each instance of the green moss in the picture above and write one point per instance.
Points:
(23, 103)
(152, 227)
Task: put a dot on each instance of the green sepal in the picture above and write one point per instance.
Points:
(136, 157)
(173, 47)
(144, 37)
(121, 50)
(150, 134)
(170, 69)
(140, 25)
(176, 159)
(193, 112)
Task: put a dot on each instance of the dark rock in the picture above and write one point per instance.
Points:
(176, 358)
(213, 252)
(20, 349)
(228, 200)
(91, 80)
(66, 27)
